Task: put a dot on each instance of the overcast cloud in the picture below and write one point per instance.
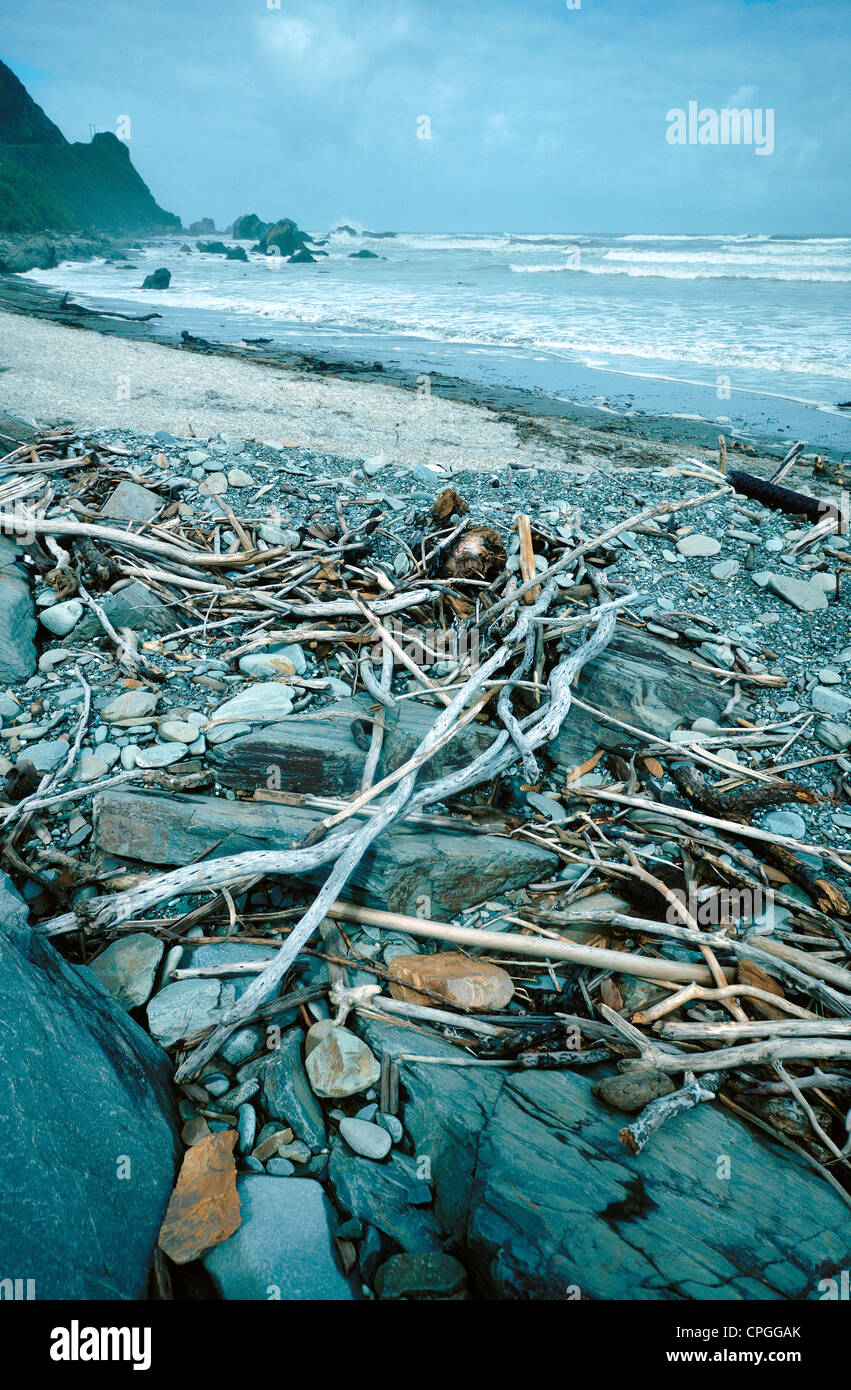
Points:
(542, 117)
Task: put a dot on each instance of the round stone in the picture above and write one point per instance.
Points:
(698, 545)
(786, 823)
(368, 1140)
(62, 617)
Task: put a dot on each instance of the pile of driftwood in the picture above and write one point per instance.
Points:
(759, 1020)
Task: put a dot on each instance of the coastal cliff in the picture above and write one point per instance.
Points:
(49, 184)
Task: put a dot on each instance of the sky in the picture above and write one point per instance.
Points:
(457, 115)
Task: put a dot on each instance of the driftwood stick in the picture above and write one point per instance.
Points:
(685, 996)
(357, 844)
(376, 741)
(761, 1028)
(635, 1135)
(749, 1055)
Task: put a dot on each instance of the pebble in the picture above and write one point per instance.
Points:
(429, 1275)
(338, 1064)
(223, 733)
(392, 1124)
(828, 676)
(282, 659)
(214, 485)
(474, 984)
(237, 477)
(177, 731)
(136, 704)
(698, 545)
(280, 1168)
(90, 767)
(278, 536)
(217, 1084)
(246, 1125)
(786, 823)
(725, 569)
(161, 755)
(127, 968)
(368, 1140)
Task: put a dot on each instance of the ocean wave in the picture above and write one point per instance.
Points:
(542, 269)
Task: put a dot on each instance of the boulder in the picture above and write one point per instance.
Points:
(249, 227)
(213, 248)
(136, 607)
(157, 280)
(89, 1145)
(541, 1198)
(284, 1247)
(363, 256)
(236, 253)
(302, 257)
(36, 253)
(283, 238)
(17, 621)
(640, 680)
(327, 748)
(205, 227)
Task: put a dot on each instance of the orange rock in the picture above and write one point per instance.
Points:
(472, 983)
(204, 1208)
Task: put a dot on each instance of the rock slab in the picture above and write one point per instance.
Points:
(540, 1196)
(204, 1208)
(89, 1145)
(284, 1246)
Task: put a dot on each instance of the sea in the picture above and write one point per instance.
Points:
(749, 332)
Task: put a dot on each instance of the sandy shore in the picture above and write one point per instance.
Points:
(51, 374)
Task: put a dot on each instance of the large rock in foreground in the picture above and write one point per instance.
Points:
(17, 618)
(541, 1200)
(89, 1146)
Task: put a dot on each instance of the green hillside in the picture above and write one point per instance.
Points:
(46, 183)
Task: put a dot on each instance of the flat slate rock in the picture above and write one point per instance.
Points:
(131, 502)
(640, 680)
(385, 1195)
(17, 624)
(451, 869)
(89, 1143)
(320, 750)
(284, 1247)
(135, 607)
(286, 1091)
(531, 1180)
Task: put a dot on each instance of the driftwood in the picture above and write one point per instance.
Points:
(636, 1134)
